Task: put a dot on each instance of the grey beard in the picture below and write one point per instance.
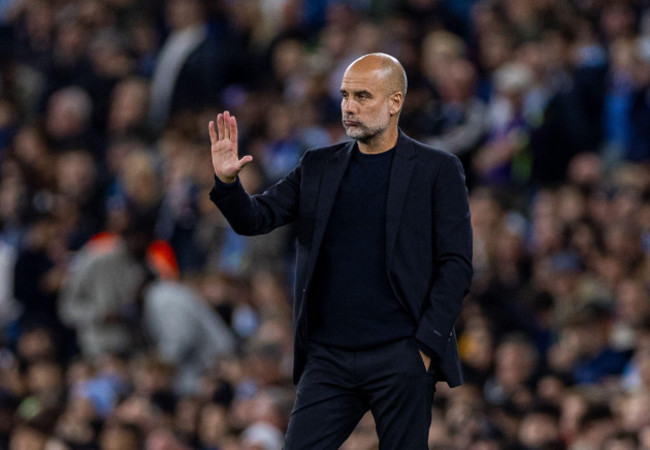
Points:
(363, 133)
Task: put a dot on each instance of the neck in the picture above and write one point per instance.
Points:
(381, 142)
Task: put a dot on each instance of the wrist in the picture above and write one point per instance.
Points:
(225, 180)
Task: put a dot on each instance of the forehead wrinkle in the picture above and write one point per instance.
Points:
(372, 81)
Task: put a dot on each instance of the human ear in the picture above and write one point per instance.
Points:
(396, 101)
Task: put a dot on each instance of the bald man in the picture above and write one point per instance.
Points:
(383, 262)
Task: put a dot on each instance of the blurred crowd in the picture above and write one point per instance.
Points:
(131, 316)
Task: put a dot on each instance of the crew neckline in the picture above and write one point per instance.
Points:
(368, 156)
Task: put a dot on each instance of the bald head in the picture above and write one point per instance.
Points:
(391, 70)
(372, 95)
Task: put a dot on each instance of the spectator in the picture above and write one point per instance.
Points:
(213, 428)
(128, 108)
(540, 428)
(595, 426)
(101, 299)
(508, 131)
(586, 350)
(68, 119)
(621, 441)
(119, 436)
(38, 276)
(515, 363)
(192, 64)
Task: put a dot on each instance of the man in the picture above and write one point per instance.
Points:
(190, 68)
(100, 300)
(383, 263)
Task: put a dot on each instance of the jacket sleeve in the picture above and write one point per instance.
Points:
(261, 213)
(452, 259)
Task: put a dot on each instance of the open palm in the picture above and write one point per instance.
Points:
(225, 158)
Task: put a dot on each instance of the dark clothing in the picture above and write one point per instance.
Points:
(206, 71)
(607, 363)
(572, 124)
(383, 251)
(39, 305)
(338, 386)
(351, 304)
(428, 241)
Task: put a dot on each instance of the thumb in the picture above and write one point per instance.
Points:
(245, 160)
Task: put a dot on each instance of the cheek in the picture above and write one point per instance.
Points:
(376, 113)
(384, 113)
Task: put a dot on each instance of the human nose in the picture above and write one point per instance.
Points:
(348, 105)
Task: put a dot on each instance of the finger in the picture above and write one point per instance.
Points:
(233, 129)
(226, 124)
(220, 126)
(245, 160)
(213, 133)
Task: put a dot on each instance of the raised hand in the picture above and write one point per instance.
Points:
(225, 159)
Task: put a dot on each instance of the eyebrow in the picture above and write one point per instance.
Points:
(363, 91)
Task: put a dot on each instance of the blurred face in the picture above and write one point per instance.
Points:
(287, 59)
(67, 113)
(537, 430)
(36, 344)
(365, 103)
(27, 439)
(44, 377)
(459, 82)
(550, 389)
(71, 39)
(140, 179)
(635, 412)
(573, 407)
(213, 424)
(118, 438)
(183, 13)
(494, 50)
(513, 363)
(129, 104)
(76, 173)
(632, 305)
(187, 414)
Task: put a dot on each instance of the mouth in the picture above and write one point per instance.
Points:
(350, 123)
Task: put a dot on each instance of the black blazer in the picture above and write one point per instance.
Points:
(428, 235)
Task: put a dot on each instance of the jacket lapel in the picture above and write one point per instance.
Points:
(333, 172)
(400, 177)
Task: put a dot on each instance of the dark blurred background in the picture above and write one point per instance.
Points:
(131, 316)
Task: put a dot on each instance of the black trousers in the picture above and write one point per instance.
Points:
(339, 386)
